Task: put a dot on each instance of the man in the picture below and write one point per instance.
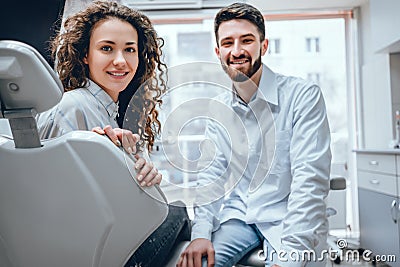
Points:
(284, 164)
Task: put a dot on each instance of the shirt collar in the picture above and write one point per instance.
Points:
(105, 100)
(237, 102)
(268, 89)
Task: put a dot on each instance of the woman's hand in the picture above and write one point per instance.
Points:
(120, 136)
(147, 174)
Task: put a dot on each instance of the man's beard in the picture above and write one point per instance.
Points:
(239, 76)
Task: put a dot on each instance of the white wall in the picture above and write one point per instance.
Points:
(376, 116)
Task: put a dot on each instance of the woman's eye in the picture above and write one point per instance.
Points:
(106, 48)
(130, 50)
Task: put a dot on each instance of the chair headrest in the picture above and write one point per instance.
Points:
(26, 79)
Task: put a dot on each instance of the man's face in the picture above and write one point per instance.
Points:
(240, 49)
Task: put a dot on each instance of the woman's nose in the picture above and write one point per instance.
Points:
(119, 58)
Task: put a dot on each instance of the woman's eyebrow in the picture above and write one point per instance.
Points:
(112, 42)
(106, 41)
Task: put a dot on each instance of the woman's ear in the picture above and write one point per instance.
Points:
(85, 60)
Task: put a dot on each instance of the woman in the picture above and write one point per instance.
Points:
(101, 52)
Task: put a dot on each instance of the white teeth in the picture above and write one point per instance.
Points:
(239, 62)
(117, 74)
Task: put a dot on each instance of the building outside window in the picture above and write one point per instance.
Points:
(274, 46)
(312, 45)
(314, 76)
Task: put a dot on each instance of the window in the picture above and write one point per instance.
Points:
(327, 69)
(186, 43)
(201, 40)
(312, 45)
(314, 76)
(274, 46)
(195, 42)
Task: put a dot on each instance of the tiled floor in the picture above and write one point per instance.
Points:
(350, 255)
(361, 264)
(355, 263)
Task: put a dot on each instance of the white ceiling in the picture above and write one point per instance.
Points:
(293, 5)
(208, 8)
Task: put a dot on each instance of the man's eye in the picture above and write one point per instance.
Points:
(226, 43)
(106, 48)
(247, 41)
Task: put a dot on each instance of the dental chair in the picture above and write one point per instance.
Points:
(67, 201)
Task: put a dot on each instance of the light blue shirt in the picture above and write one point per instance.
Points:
(79, 109)
(270, 166)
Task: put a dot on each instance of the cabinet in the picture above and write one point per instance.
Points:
(378, 197)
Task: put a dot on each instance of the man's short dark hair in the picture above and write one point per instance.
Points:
(240, 11)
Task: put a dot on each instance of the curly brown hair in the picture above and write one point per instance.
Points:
(71, 43)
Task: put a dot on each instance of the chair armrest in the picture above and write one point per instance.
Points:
(337, 183)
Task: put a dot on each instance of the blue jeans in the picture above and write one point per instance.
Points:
(233, 240)
(156, 249)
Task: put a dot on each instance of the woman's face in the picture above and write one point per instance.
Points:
(113, 55)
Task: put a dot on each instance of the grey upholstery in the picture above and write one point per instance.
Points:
(174, 257)
(254, 258)
(69, 201)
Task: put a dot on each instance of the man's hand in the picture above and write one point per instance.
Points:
(191, 256)
(120, 136)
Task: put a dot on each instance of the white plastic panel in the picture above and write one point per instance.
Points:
(26, 79)
(72, 202)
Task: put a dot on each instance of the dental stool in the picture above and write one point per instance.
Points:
(67, 201)
(255, 257)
